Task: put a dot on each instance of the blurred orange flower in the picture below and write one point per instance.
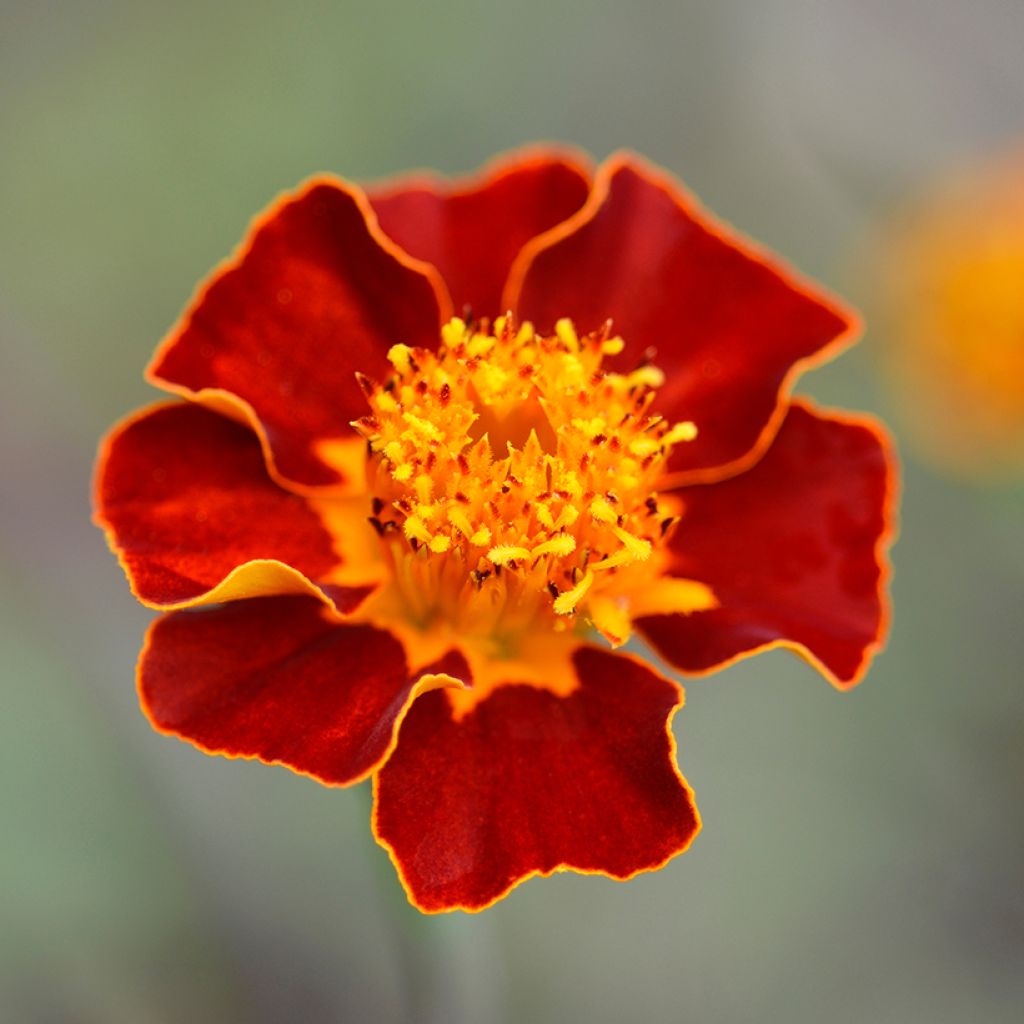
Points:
(948, 272)
(423, 535)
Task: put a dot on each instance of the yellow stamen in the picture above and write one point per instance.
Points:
(479, 344)
(566, 518)
(544, 516)
(637, 547)
(621, 557)
(567, 334)
(685, 431)
(423, 427)
(524, 478)
(460, 521)
(644, 446)
(562, 545)
(424, 486)
(385, 403)
(398, 357)
(453, 332)
(416, 530)
(647, 376)
(565, 604)
(507, 553)
(602, 511)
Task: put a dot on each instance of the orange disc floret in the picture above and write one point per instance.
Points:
(515, 480)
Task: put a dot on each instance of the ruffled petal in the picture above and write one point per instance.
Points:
(795, 551)
(187, 505)
(279, 680)
(471, 230)
(730, 326)
(276, 336)
(528, 783)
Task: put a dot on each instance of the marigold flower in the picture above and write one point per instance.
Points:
(444, 448)
(948, 273)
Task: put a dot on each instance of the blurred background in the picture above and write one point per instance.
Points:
(862, 853)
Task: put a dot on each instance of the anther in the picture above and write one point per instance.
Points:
(504, 554)
(565, 604)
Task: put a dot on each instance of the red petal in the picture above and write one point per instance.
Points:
(315, 294)
(276, 679)
(730, 325)
(185, 499)
(473, 229)
(529, 783)
(794, 550)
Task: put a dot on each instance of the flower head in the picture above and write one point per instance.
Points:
(949, 277)
(422, 535)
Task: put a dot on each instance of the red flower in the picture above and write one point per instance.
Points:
(604, 443)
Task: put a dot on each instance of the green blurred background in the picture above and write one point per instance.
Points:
(862, 854)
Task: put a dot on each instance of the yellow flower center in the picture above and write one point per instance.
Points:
(514, 483)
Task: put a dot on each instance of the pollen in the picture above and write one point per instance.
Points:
(514, 479)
